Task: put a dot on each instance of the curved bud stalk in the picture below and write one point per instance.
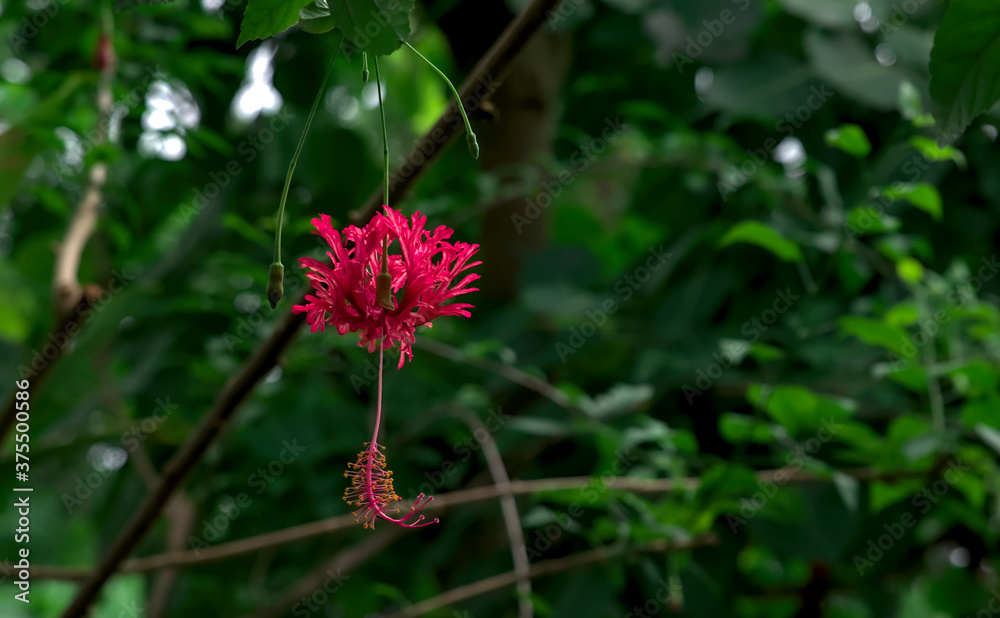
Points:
(470, 134)
(276, 291)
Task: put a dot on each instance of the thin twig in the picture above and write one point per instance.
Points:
(332, 573)
(113, 398)
(525, 379)
(494, 64)
(180, 514)
(515, 532)
(442, 502)
(547, 567)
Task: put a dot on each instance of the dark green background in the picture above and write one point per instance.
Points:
(195, 310)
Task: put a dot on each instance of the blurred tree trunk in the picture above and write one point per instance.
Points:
(525, 113)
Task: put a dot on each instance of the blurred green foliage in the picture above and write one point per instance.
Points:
(828, 303)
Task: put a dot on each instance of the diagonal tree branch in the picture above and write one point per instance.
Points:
(332, 572)
(484, 79)
(180, 510)
(178, 467)
(59, 341)
(493, 66)
(510, 372)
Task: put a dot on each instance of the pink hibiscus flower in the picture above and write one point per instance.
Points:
(425, 271)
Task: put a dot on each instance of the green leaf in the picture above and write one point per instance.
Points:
(120, 592)
(14, 325)
(734, 349)
(828, 13)
(845, 61)
(18, 307)
(975, 378)
(933, 152)
(871, 220)
(907, 372)
(246, 229)
(621, 399)
(922, 446)
(537, 426)
(737, 428)
(762, 352)
(374, 26)
(861, 437)
(124, 5)
(989, 435)
(882, 495)
(542, 608)
(897, 246)
(649, 430)
(727, 478)
(910, 270)
(850, 138)
(799, 410)
(922, 195)
(767, 87)
(874, 332)
(315, 18)
(17, 151)
(902, 314)
(265, 18)
(910, 105)
(849, 489)
(983, 412)
(964, 64)
(762, 235)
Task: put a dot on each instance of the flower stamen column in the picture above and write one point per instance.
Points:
(371, 487)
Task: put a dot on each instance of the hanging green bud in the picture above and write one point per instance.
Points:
(364, 67)
(470, 137)
(275, 283)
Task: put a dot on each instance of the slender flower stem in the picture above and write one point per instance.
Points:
(298, 151)
(373, 445)
(378, 399)
(385, 134)
(473, 144)
(385, 198)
